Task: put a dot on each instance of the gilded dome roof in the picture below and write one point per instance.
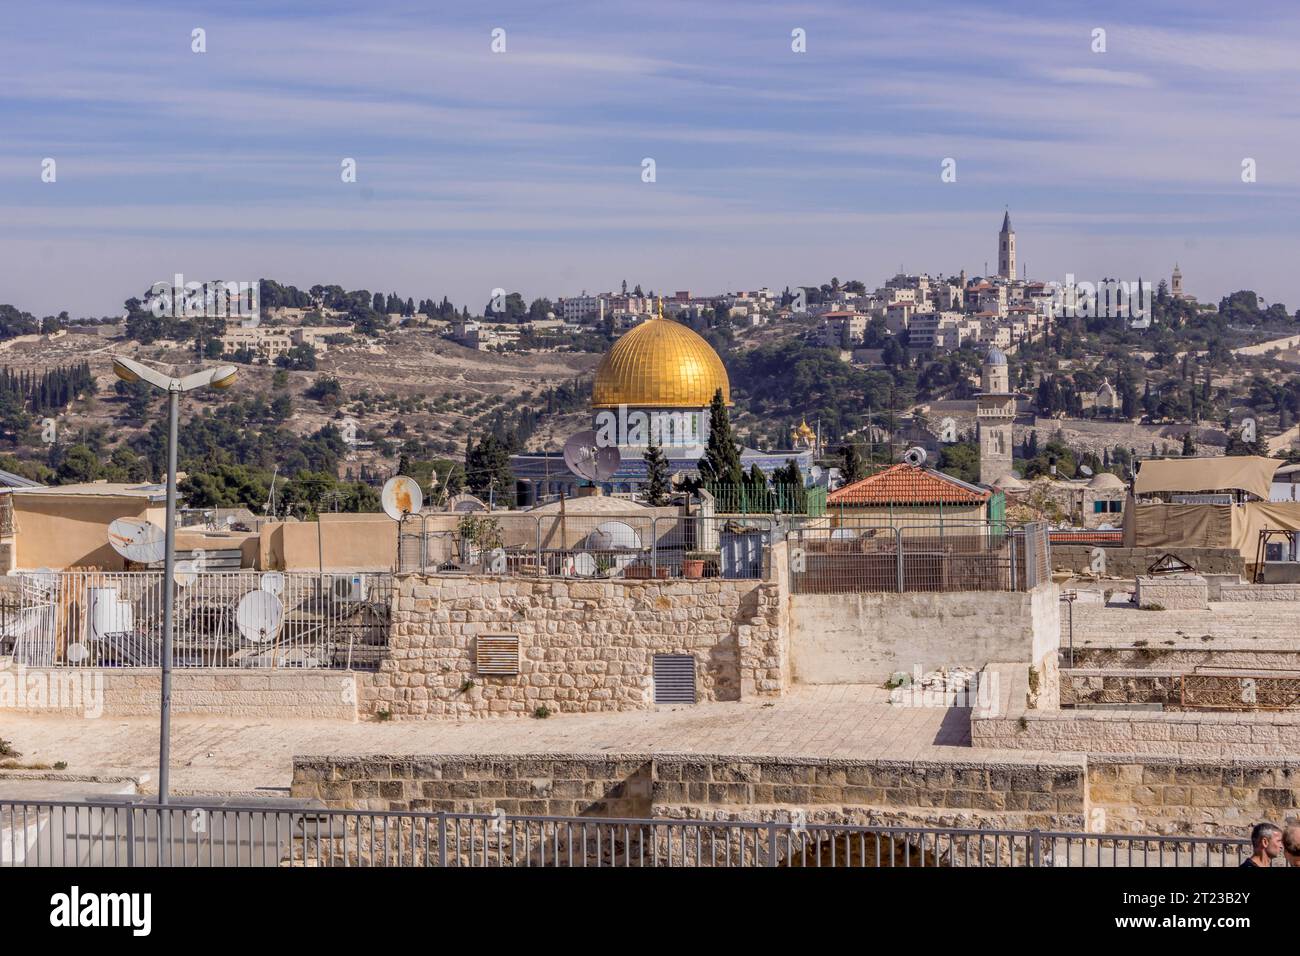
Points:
(660, 364)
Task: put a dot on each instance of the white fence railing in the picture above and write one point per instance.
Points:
(115, 619)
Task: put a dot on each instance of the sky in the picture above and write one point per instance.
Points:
(523, 169)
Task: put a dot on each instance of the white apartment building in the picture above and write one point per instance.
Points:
(844, 329)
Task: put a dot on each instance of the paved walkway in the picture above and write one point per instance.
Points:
(211, 755)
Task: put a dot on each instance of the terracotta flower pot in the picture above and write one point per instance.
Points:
(692, 569)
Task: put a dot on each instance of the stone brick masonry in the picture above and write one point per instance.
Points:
(1035, 792)
(584, 645)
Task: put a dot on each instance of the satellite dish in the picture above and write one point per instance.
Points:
(137, 540)
(465, 503)
(401, 497)
(230, 521)
(584, 564)
(1087, 472)
(272, 582)
(258, 616)
(185, 573)
(914, 456)
(815, 472)
(589, 460)
(614, 536)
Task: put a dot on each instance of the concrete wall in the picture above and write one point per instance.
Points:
(341, 542)
(585, 645)
(65, 531)
(210, 692)
(863, 638)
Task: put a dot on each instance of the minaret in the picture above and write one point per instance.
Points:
(1007, 249)
(995, 414)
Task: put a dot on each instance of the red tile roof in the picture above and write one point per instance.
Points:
(904, 484)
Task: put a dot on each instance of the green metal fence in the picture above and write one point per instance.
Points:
(748, 500)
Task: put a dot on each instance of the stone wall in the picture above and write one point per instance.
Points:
(1131, 562)
(1172, 592)
(863, 638)
(584, 645)
(1034, 791)
(1206, 798)
(210, 692)
(1188, 735)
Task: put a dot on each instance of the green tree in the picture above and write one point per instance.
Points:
(721, 461)
(487, 468)
(79, 464)
(657, 483)
(851, 464)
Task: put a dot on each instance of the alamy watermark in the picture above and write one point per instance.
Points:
(634, 427)
(189, 300)
(1109, 298)
(53, 689)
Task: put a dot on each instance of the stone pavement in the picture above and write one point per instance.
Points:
(212, 755)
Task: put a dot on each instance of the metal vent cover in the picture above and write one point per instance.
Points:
(674, 677)
(497, 654)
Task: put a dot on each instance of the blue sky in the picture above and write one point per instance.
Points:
(523, 169)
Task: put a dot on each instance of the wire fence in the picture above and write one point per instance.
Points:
(119, 834)
(632, 546)
(115, 619)
(864, 556)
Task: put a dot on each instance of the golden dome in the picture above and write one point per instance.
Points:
(660, 364)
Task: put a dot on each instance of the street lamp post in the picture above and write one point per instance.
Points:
(223, 377)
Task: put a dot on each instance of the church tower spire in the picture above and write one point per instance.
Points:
(1007, 248)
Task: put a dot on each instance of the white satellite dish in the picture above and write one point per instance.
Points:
(258, 616)
(815, 472)
(185, 573)
(401, 497)
(272, 582)
(1086, 471)
(137, 540)
(915, 456)
(589, 460)
(614, 536)
(584, 564)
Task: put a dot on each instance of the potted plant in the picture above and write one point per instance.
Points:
(696, 564)
(478, 534)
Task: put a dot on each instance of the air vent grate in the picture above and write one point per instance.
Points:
(674, 676)
(497, 654)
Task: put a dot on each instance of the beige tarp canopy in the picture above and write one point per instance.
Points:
(1250, 473)
(1208, 526)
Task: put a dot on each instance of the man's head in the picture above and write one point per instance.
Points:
(1267, 839)
(1291, 844)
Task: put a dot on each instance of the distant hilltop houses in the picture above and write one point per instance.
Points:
(944, 313)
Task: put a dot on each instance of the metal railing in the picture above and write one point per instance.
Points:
(750, 500)
(120, 834)
(855, 557)
(630, 546)
(114, 619)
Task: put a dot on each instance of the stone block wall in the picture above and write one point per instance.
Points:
(1036, 791)
(1173, 592)
(210, 692)
(863, 638)
(584, 645)
(1191, 736)
(1170, 795)
(1131, 562)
